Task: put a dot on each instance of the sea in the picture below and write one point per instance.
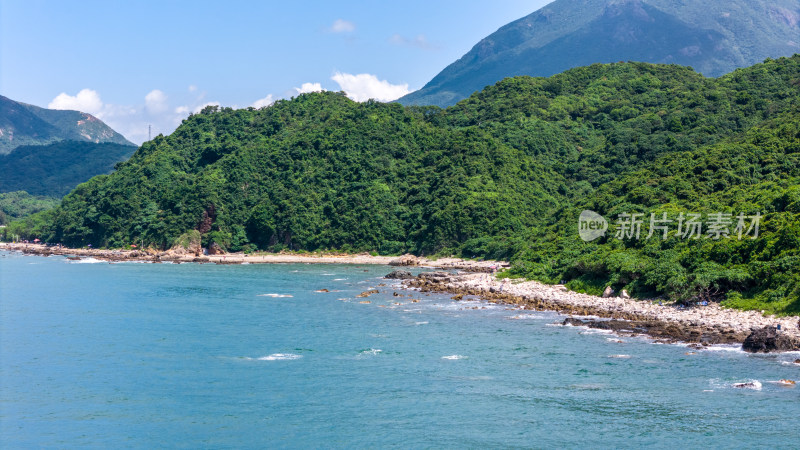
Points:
(139, 355)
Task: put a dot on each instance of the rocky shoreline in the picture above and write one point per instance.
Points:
(698, 326)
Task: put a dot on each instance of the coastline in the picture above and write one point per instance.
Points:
(261, 258)
(700, 325)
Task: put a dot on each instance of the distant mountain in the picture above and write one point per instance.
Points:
(23, 124)
(713, 36)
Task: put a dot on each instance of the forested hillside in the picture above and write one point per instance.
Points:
(55, 169)
(505, 174)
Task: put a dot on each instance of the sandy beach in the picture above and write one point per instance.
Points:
(257, 258)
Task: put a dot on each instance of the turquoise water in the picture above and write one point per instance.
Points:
(193, 356)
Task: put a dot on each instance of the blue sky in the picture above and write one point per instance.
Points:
(153, 62)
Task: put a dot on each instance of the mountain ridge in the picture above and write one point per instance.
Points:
(25, 124)
(571, 33)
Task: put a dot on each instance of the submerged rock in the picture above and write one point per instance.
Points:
(769, 339)
(367, 293)
(399, 275)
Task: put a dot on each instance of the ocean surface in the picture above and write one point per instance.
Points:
(135, 355)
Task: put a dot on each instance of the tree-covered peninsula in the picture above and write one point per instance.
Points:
(505, 173)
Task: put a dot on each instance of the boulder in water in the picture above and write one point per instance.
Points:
(769, 339)
(399, 275)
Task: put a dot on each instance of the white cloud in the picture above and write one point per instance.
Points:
(342, 26)
(309, 87)
(156, 102)
(192, 88)
(419, 41)
(266, 101)
(86, 100)
(365, 86)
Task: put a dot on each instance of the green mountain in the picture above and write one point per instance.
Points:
(23, 124)
(505, 173)
(55, 169)
(715, 37)
(47, 152)
(17, 205)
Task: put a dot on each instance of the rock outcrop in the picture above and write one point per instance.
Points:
(769, 339)
(405, 260)
(215, 249)
(399, 275)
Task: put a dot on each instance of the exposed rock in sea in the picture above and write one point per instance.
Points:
(367, 293)
(399, 275)
(769, 339)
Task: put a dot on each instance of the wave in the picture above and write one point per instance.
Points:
(454, 357)
(89, 260)
(275, 357)
(275, 295)
(748, 384)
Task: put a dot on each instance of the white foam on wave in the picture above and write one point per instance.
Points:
(754, 385)
(733, 348)
(421, 323)
(370, 352)
(88, 260)
(596, 331)
(454, 357)
(279, 357)
(275, 295)
(529, 317)
(620, 356)
(340, 279)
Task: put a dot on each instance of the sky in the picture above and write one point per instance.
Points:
(134, 64)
